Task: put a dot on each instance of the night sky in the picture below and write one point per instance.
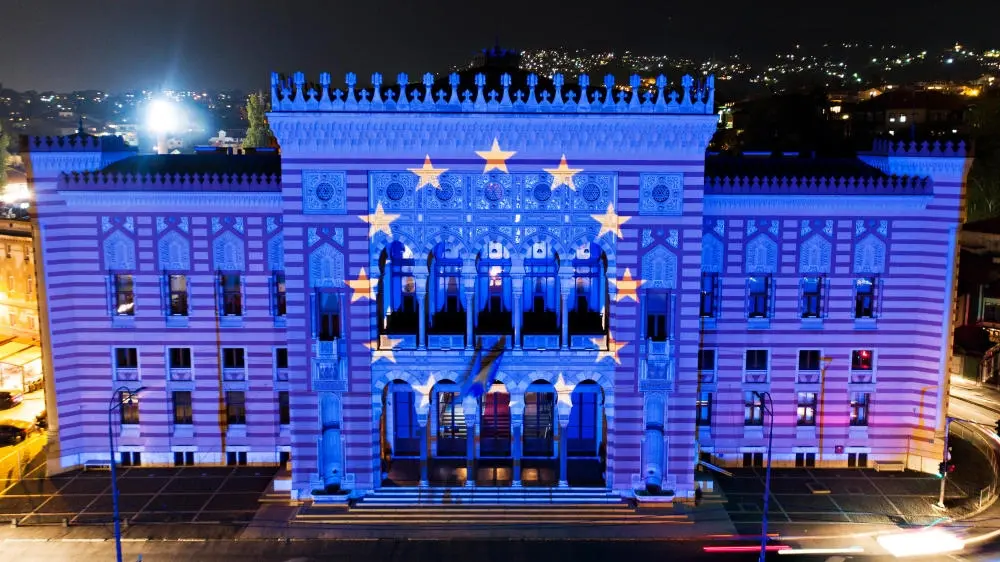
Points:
(126, 44)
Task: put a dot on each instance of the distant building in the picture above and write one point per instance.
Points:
(977, 304)
(897, 112)
(326, 307)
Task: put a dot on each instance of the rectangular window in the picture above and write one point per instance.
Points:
(183, 458)
(706, 360)
(124, 297)
(238, 458)
(236, 408)
(861, 360)
(231, 288)
(753, 409)
(182, 407)
(284, 411)
(31, 286)
(179, 357)
(129, 408)
(709, 295)
(281, 358)
(133, 458)
(756, 360)
(759, 299)
(864, 297)
(126, 358)
(278, 289)
(808, 359)
(806, 413)
(805, 460)
(704, 409)
(233, 358)
(657, 312)
(753, 460)
(859, 408)
(857, 460)
(177, 295)
(327, 316)
(812, 297)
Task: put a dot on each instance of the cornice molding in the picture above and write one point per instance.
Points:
(578, 136)
(174, 201)
(805, 205)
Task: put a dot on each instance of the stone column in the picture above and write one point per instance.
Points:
(563, 408)
(332, 463)
(469, 284)
(517, 290)
(471, 409)
(378, 474)
(423, 407)
(516, 425)
(469, 303)
(652, 447)
(565, 288)
(609, 444)
(420, 280)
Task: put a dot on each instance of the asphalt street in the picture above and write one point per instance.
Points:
(31, 405)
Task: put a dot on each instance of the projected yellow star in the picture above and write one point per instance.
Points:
(610, 222)
(363, 287)
(496, 159)
(611, 351)
(564, 391)
(627, 286)
(428, 174)
(563, 175)
(383, 348)
(380, 221)
(423, 391)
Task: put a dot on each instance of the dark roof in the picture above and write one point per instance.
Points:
(906, 98)
(986, 226)
(787, 167)
(259, 163)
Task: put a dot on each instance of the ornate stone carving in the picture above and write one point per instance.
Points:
(119, 252)
(761, 255)
(451, 194)
(659, 268)
(593, 192)
(312, 236)
(712, 254)
(647, 237)
(395, 191)
(661, 194)
(815, 255)
(493, 192)
(539, 195)
(828, 227)
(228, 253)
(324, 192)
(273, 223)
(174, 252)
(751, 226)
(276, 252)
(673, 237)
(326, 267)
(869, 255)
(720, 227)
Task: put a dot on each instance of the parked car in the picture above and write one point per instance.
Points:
(13, 432)
(9, 399)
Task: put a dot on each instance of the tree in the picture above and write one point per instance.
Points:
(259, 133)
(983, 186)
(5, 141)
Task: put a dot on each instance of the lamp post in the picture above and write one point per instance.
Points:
(121, 395)
(769, 409)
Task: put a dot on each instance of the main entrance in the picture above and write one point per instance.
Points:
(499, 443)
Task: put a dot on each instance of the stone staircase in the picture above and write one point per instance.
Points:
(435, 506)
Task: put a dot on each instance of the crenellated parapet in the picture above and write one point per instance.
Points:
(89, 181)
(74, 143)
(891, 185)
(459, 96)
(886, 147)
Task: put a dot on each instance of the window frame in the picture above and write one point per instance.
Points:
(175, 295)
(872, 310)
(703, 409)
(128, 408)
(754, 298)
(236, 416)
(709, 297)
(807, 405)
(664, 316)
(753, 409)
(186, 411)
(812, 297)
(860, 409)
(224, 293)
(284, 408)
(279, 294)
(121, 298)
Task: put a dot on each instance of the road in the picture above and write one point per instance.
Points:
(32, 405)
(974, 404)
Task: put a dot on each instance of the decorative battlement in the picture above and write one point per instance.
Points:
(88, 181)
(886, 147)
(892, 185)
(295, 94)
(74, 143)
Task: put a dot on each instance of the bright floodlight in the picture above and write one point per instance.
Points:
(162, 116)
(921, 543)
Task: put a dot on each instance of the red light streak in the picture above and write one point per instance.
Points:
(746, 548)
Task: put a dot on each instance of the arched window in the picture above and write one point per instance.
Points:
(398, 291)
(588, 301)
(451, 430)
(493, 291)
(406, 431)
(541, 290)
(539, 420)
(446, 296)
(494, 424)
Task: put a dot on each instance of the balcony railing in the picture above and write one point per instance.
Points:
(231, 375)
(445, 341)
(706, 376)
(126, 374)
(755, 377)
(326, 348)
(587, 342)
(862, 377)
(541, 342)
(180, 374)
(807, 377)
(281, 374)
(327, 370)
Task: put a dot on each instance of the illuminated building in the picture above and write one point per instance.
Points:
(330, 313)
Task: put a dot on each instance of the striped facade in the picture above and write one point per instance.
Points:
(662, 398)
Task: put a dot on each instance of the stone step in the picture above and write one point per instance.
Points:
(482, 506)
(423, 516)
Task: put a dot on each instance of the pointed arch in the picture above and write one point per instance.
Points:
(490, 236)
(712, 253)
(276, 252)
(174, 252)
(119, 252)
(869, 255)
(815, 255)
(227, 253)
(761, 255)
(528, 246)
(659, 268)
(326, 268)
(609, 249)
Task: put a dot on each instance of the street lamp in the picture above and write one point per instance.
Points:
(122, 395)
(162, 117)
(768, 408)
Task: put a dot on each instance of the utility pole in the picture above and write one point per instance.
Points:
(945, 457)
(767, 475)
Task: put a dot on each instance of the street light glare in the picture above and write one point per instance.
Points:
(162, 116)
(921, 543)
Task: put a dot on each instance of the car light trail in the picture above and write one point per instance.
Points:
(847, 550)
(921, 543)
(746, 548)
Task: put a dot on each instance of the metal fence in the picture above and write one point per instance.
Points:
(14, 465)
(985, 442)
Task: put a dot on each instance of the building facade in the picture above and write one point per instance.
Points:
(644, 303)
